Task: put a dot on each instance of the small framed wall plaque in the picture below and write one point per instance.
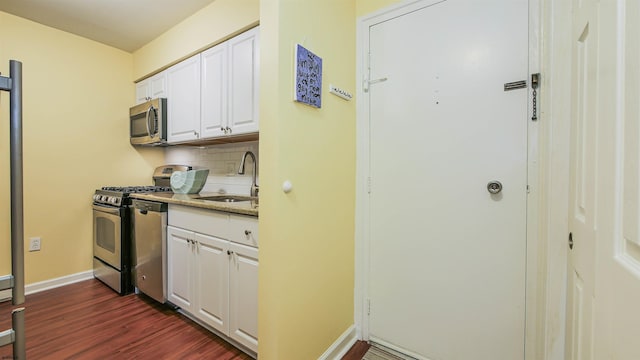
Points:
(308, 77)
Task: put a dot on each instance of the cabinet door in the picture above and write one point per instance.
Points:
(212, 281)
(150, 88)
(183, 100)
(214, 91)
(158, 86)
(243, 82)
(143, 91)
(243, 295)
(180, 282)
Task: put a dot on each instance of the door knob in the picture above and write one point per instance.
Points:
(494, 187)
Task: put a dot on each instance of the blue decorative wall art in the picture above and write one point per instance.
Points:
(308, 77)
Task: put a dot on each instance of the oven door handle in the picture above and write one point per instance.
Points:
(107, 209)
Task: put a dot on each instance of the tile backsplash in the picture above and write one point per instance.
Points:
(222, 161)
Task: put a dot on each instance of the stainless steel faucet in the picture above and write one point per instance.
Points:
(254, 186)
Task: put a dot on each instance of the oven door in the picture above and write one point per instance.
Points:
(107, 235)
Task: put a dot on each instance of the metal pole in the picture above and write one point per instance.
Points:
(19, 344)
(17, 215)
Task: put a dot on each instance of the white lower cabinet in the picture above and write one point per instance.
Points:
(211, 277)
(180, 272)
(243, 295)
(212, 281)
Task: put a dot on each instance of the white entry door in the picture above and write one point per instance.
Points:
(446, 256)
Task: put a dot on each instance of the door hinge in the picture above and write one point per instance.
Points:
(369, 185)
(570, 241)
(368, 306)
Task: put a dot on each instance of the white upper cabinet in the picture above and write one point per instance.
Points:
(214, 91)
(224, 88)
(151, 88)
(244, 68)
(230, 86)
(210, 95)
(183, 100)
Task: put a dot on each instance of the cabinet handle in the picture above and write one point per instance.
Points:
(229, 252)
(247, 232)
(229, 129)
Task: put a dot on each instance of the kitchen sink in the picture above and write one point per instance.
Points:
(229, 198)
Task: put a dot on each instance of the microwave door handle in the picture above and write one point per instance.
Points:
(149, 111)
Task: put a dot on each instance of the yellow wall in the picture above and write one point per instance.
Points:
(209, 26)
(76, 95)
(307, 236)
(364, 7)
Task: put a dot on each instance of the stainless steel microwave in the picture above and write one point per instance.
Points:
(148, 122)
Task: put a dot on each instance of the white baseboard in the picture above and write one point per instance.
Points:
(50, 284)
(5, 295)
(341, 345)
(57, 282)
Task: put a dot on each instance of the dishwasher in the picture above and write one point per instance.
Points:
(150, 248)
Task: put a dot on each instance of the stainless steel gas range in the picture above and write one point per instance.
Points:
(112, 229)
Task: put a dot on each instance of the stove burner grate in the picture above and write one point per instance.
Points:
(137, 189)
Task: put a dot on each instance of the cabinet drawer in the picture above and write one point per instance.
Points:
(244, 230)
(237, 228)
(208, 222)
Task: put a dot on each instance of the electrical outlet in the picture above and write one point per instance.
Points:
(34, 244)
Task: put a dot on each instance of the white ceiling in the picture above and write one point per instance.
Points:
(124, 24)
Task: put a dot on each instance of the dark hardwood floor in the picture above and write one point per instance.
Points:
(87, 320)
(357, 351)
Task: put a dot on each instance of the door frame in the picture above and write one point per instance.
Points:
(536, 303)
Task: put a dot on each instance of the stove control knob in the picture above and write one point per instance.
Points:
(113, 200)
(95, 197)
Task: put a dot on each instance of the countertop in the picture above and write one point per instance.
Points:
(242, 207)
